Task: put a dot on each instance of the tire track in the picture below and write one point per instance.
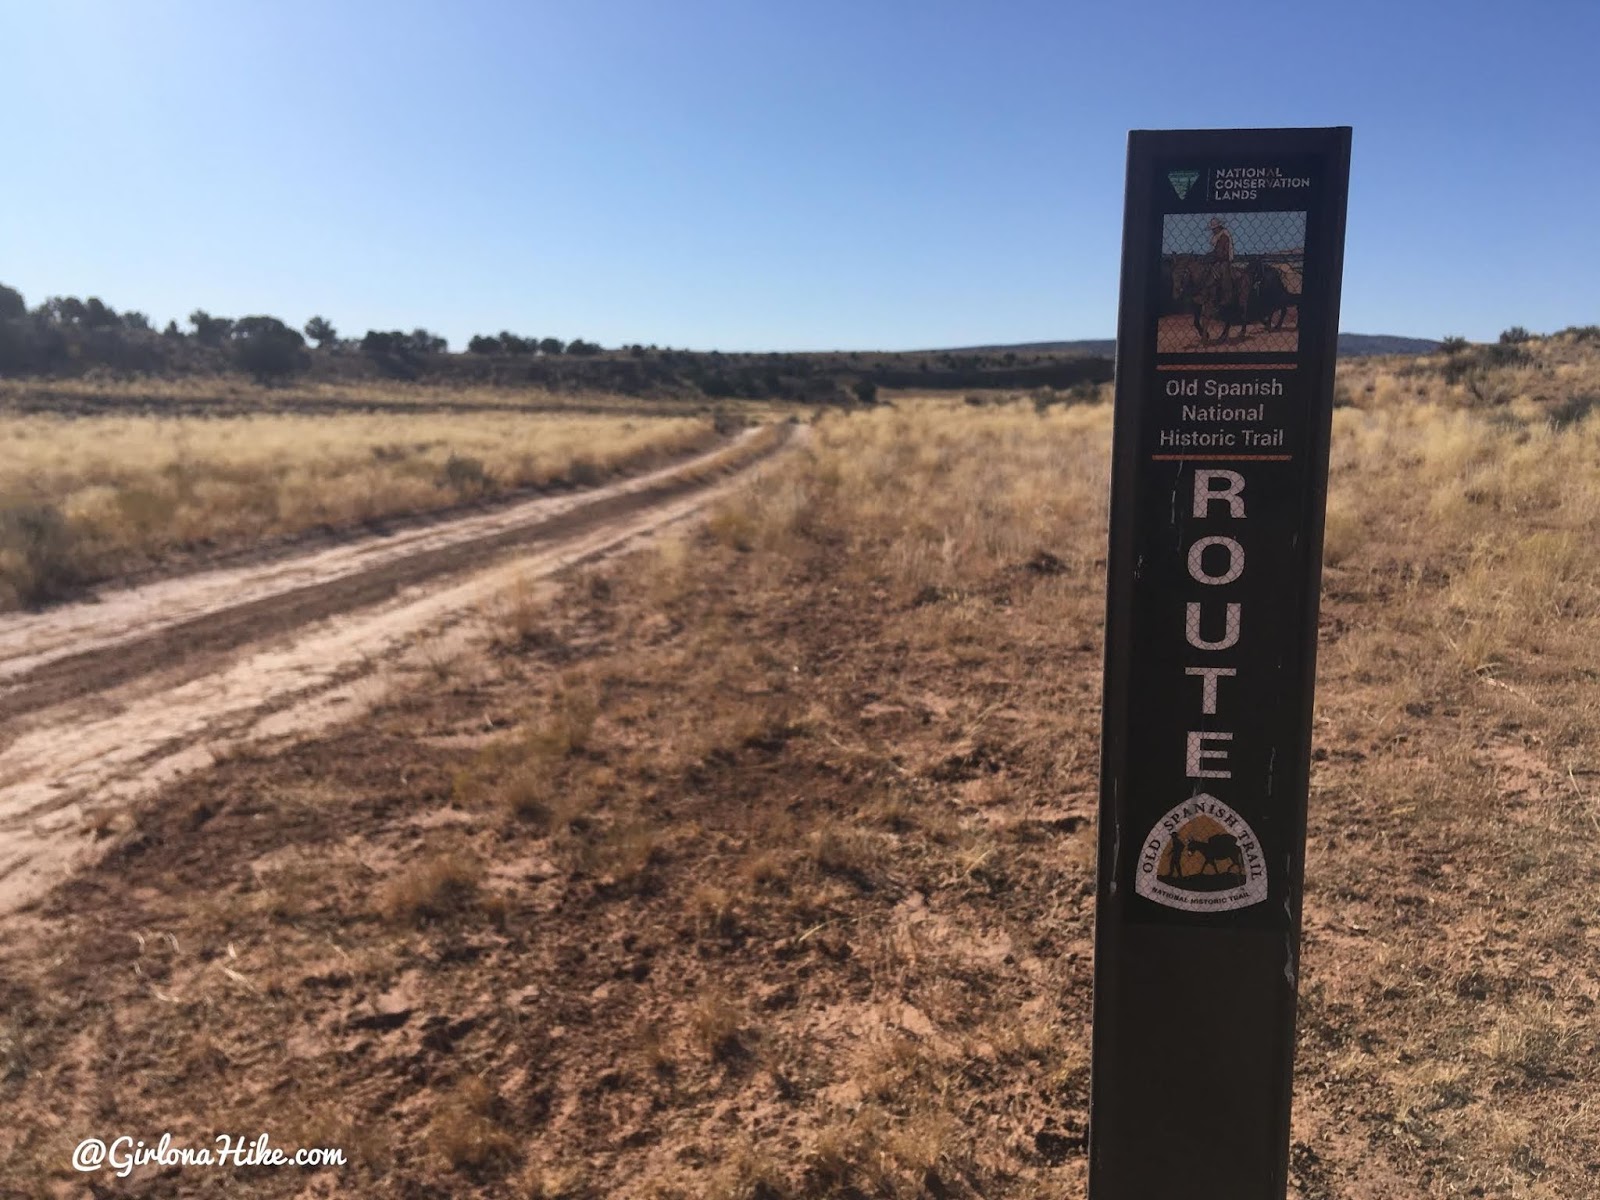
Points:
(91, 729)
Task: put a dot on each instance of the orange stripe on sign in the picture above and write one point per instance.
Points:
(1222, 457)
(1227, 366)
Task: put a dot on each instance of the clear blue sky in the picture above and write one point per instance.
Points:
(749, 175)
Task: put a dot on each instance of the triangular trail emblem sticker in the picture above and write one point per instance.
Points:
(1182, 181)
(1202, 857)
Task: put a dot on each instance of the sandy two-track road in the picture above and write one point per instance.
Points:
(105, 700)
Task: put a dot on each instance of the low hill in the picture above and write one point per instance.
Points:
(1367, 345)
(1351, 345)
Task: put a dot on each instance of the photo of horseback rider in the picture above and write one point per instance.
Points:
(1231, 282)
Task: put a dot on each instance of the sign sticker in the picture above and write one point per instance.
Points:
(1202, 857)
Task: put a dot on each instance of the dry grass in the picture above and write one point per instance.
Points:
(875, 1152)
(464, 1132)
(542, 775)
(1459, 699)
(948, 493)
(103, 390)
(750, 1172)
(435, 887)
(720, 1027)
(87, 498)
(713, 909)
(564, 1182)
(793, 830)
(1479, 525)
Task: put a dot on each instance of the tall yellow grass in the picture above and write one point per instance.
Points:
(88, 497)
(105, 392)
(239, 394)
(1480, 518)
(939, 495)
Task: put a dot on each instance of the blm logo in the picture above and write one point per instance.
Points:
(1182, 181)
(1202, 857)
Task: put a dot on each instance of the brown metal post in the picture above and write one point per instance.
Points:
(1233, 246)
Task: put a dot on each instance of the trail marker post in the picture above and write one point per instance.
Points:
(1233, 246)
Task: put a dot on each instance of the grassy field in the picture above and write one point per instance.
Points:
(236, 394)
(84, 499)
(759, 866)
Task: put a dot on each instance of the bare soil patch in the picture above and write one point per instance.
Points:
(753, 865)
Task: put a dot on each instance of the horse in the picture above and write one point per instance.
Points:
(1213, 290)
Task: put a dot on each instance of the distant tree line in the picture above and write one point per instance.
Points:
(66, 335)
(510, 343)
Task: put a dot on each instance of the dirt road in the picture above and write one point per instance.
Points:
(105, 700)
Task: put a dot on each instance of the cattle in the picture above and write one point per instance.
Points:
(1219, 847)
(1214, 850)
(1270, 296)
